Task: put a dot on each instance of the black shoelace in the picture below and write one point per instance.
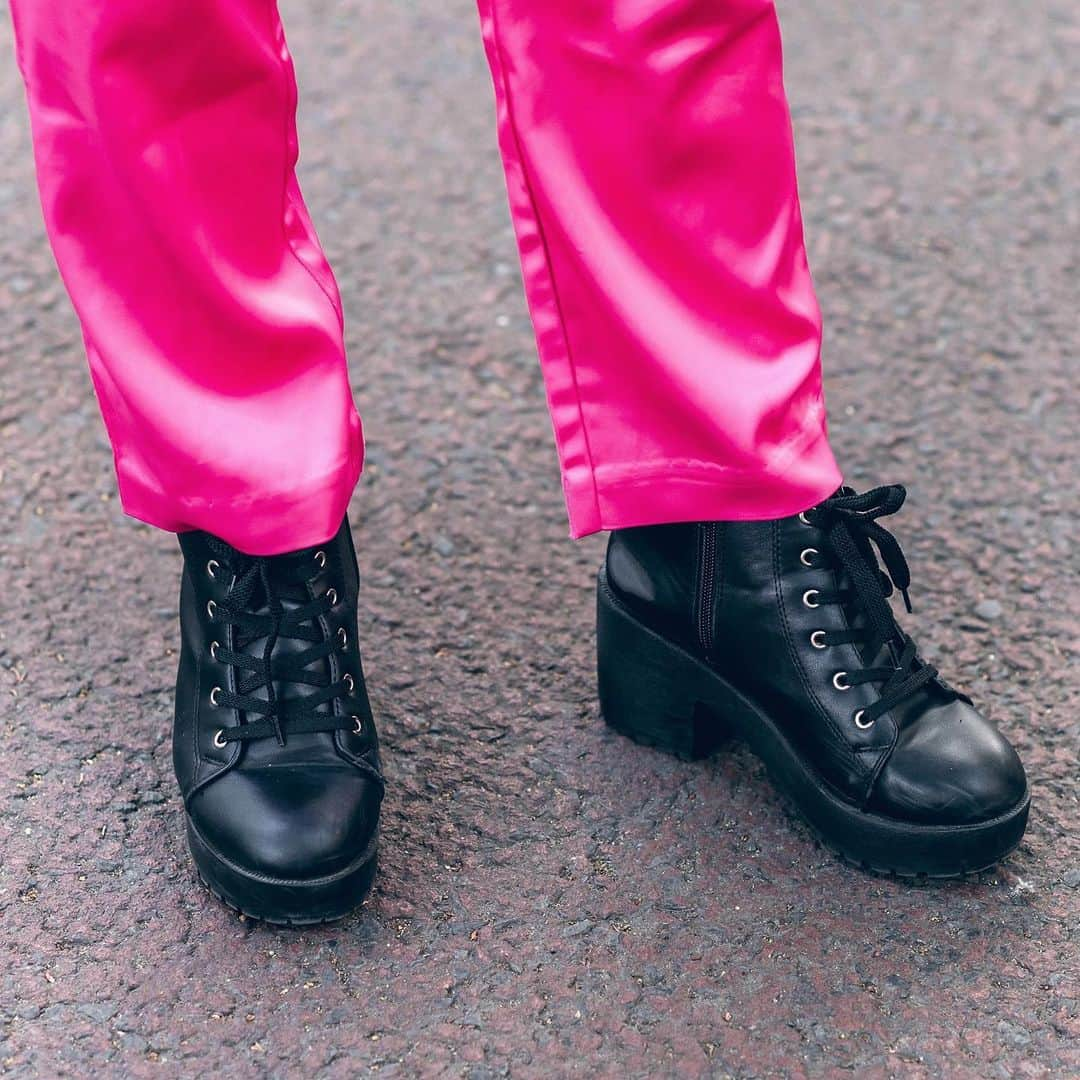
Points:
(264, 582)
(852, 533)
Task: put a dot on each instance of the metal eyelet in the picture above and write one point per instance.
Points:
(342, 637)
(219, 739)
(320, 558)
(817, 639)
(804, 519)
(215, 695)
(331, 595)
(860, 723)
(214, 646)
(211, 609)
(358, 726)
(807, 602)
(212, 567)
(839, 680)
(806, 555)
(349, 683)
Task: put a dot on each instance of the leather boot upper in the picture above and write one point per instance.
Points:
(794, 613)
(275, 748)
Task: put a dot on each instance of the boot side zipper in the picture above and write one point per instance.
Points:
(706, 585)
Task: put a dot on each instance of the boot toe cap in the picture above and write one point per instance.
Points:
(290, 824)
(950, 766)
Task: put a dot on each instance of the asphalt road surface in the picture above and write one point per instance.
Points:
(553, 900)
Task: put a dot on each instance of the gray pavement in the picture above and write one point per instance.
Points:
(555, 901)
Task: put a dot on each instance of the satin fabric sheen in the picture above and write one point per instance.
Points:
(650, 169)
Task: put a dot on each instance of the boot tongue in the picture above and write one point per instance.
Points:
(286, 647)
(887, 655)
(289, 594)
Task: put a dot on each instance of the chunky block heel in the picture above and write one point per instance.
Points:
(649, 690)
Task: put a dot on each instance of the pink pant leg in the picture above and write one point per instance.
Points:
(165, 143)
(651, 175)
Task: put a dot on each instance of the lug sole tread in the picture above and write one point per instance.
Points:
(271, 920)
(333, 900)
(965, 874)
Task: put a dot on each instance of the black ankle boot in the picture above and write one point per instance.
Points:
(780, 633)
(274, 745)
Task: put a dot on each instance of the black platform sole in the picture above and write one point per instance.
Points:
(659, 694)
(282, 902)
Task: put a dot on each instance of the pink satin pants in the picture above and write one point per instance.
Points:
(649, 163)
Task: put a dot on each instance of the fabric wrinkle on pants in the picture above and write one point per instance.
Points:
(663, 259)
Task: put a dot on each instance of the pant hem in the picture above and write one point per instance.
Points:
(265, 524)
(667, 491)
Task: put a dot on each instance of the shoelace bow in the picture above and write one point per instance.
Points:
(277, 579)
(851, 528)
